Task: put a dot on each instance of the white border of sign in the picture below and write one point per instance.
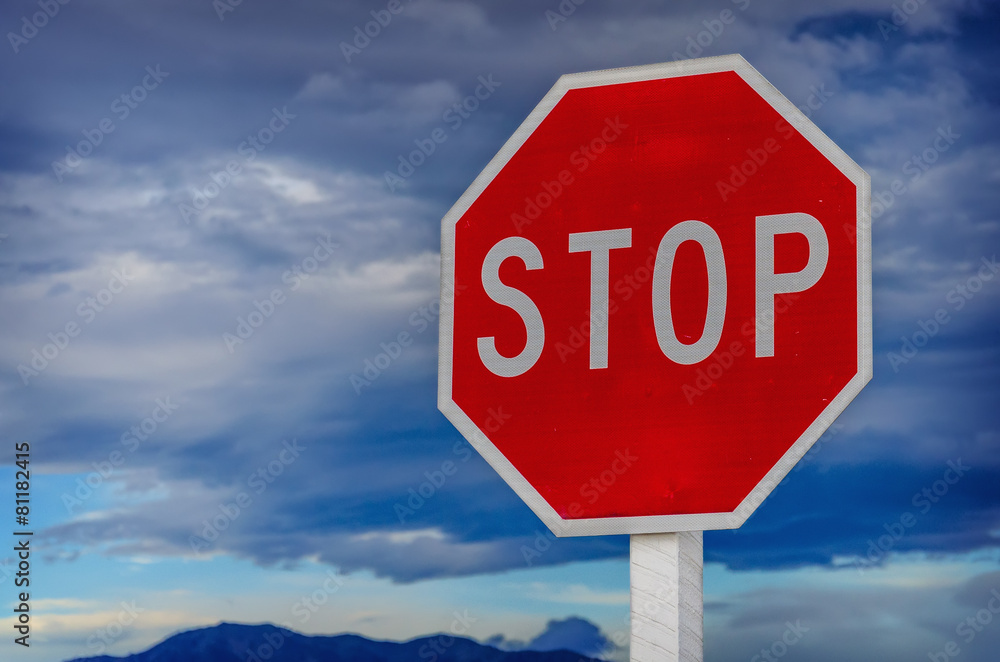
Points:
(655, 523)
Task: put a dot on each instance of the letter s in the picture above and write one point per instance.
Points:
(87, 313)
(257, 483)
(418, 322)
(922, 503)
(516, 300)
(92, 643)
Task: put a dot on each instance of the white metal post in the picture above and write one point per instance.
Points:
(666, 596)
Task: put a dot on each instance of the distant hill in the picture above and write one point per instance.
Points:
(228, 642)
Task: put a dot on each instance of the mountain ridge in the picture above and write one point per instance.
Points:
(236, 642)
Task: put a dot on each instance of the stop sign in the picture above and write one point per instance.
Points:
(655, 298)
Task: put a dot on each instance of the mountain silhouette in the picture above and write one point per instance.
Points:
(229, 642)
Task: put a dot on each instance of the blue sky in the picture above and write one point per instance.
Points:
(304, 239)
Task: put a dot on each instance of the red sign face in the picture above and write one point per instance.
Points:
(655, 298)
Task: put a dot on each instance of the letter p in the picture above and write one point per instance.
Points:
(770, 283)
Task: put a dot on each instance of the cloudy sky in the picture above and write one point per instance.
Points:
(178, 341)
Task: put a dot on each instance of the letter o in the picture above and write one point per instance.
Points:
(663, 321)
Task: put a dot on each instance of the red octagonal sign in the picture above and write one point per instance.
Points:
(655, 298)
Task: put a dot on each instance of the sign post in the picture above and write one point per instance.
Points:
(654, 299)
(666, 597)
